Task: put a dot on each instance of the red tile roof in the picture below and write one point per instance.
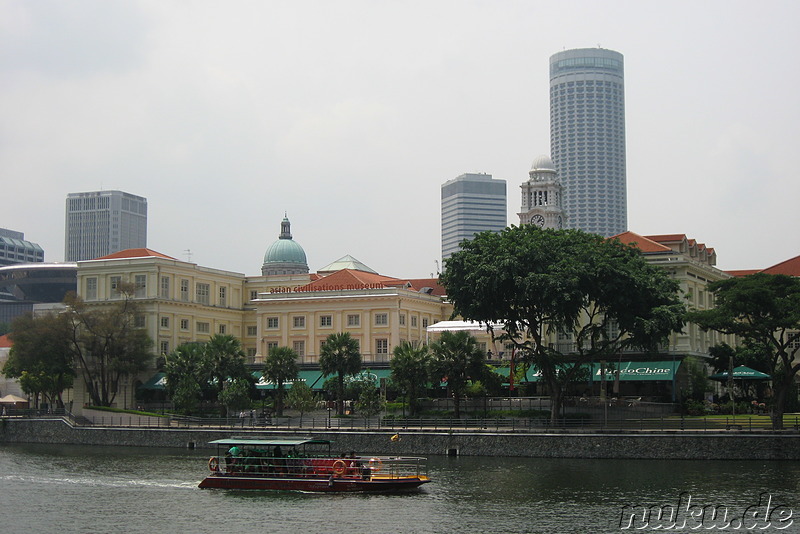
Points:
(790, 267)
(418, 284)
(642, 243)
(666, 238)
(135, 253)
(353, 279)
(742, 272)
(5, 342)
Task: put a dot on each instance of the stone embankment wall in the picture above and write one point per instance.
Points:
(644, 445)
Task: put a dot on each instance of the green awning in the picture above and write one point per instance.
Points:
(637, 371)
(374, 375)
(312, 378)
(157, 382)
(628, 371)
(315, 379)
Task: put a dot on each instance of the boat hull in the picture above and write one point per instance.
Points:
(313, 484)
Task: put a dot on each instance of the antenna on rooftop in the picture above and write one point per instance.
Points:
(188, 254)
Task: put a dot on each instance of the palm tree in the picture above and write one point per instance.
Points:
(340, 356)
(280, 366)
(185, 374)
(410, 371)
(225, 361)
(457, 360)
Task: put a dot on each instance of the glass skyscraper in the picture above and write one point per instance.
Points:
(101, 222)
(471, 203)
(587, 137)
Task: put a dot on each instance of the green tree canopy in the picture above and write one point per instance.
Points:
(457, 360)
(280, 367)
(410, 372)
(107, 343)
(225, 362)
(763, 310)
(237, 395)
(41, 357)
(539, 283)
(369, 402)
(185, 370)
(302, 398)
(340, 356)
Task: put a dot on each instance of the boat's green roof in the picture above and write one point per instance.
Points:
(270, 442)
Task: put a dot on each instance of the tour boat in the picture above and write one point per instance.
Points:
(307, 464)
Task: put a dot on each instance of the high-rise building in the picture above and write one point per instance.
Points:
(587, 137)
(542, 195)
(471, 203)
(101, 222)
(14, 248)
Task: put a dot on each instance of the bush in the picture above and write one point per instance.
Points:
(693, 407)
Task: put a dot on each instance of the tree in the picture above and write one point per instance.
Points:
(410, 372)
(540, 283)
(457, 359)
(41, 357)
(225, 362)
(369, 402)
(302, 398)
(107, 343)
(236, 395)
(763, 310)
(698, 378)
(185, 374)
(280, 367)
(340, 356)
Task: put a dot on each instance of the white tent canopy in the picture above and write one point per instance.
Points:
(461, 326)
(12, 399)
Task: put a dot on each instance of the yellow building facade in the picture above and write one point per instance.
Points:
(182, 302)
(285, 305)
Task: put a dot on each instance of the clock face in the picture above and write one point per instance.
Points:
(538, 220)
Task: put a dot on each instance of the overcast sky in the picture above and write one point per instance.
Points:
(348, 116)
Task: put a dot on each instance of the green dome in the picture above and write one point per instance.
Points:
(284, 256)
(285, 251)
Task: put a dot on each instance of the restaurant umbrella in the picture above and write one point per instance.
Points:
(741, 373)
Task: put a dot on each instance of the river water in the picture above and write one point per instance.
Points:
(80, 489)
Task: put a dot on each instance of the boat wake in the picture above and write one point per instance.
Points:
(92, 481)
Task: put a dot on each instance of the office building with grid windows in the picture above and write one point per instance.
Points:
(99, 223)
(471, 203)
(587, 137)
(15, 249)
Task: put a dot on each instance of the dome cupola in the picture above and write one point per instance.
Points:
(284, 256)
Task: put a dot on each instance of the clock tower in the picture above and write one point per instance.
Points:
(542, 196)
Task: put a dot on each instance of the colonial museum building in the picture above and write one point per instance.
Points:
(286, 305)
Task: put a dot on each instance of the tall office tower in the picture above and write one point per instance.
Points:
(471, 203)
(101, 222)
(14, 249)
(587, 137)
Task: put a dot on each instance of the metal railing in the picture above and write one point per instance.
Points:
(539, 424)
(488, 424)
(321, 466)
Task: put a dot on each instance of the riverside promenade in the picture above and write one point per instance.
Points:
(711, 444)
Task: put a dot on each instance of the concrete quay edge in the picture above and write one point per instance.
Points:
(687, 445)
